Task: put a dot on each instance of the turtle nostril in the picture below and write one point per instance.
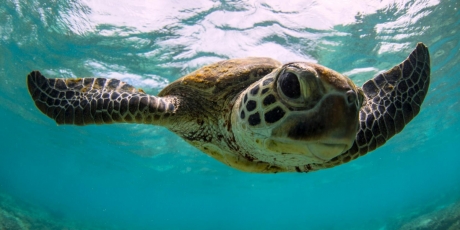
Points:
(351, 96)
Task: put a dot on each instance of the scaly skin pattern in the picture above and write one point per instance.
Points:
(393, 99)
(87, 101)
(233, 110)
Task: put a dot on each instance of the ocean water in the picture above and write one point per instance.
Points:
(144, 177)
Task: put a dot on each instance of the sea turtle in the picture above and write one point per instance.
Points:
(255, 114)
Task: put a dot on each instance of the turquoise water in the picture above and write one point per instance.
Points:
(144, 177)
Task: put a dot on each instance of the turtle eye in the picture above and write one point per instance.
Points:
(289, 85)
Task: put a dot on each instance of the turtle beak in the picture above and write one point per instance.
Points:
(332, 120)
(317, 152)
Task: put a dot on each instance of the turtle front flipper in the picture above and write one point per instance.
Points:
(86, 101)
(393, 99)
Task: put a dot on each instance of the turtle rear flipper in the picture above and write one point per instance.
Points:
(393, 99)
(86, 101)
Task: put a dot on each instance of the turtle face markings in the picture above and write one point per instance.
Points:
(301, 112)
(274, 115)
(261, 108)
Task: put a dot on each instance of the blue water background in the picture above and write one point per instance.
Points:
(144, 177)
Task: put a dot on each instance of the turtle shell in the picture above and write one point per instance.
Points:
(221, 81)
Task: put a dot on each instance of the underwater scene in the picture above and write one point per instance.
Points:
(139, 176)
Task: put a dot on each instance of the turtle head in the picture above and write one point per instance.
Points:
(300, 112)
